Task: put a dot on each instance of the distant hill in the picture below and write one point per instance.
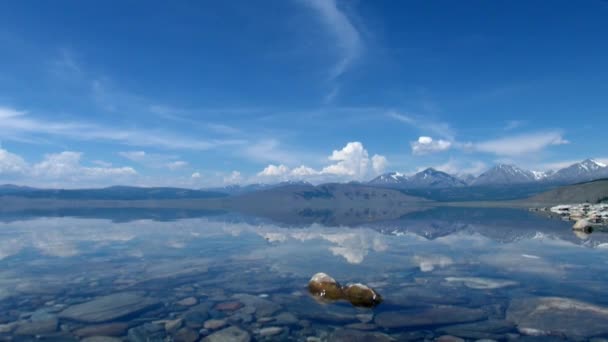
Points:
(110, 193)
(591, 192)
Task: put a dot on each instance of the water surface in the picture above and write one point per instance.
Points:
(472, 273)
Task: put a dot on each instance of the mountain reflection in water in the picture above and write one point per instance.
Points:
(136, 274)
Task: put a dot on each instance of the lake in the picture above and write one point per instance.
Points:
(158, 275)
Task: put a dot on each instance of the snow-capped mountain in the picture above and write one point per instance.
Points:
(586, 170)
(503, 174)
(391, 178)
(500, 175)
(431, 178)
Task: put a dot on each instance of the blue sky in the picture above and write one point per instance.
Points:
(209, 93)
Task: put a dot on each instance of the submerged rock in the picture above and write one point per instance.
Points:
(362, 295)
(439, 315)
(323, 286)
(101, 339)
(148, 332)
(481, 283)
(37, 327)
(350, 335)
(108, 308)
(550, 316)
(110, 329)
(190, 301)
(271, 331)
(231, 334)
(185, 335)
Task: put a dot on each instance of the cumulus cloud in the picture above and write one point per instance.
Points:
(67, 164)
(379, 163)
(234, 178)
(64, 168)
(426, 145)
(274, 171)
(196, 175)
(11, 164)
(352, 162)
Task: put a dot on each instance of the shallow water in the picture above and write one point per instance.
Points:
(473, 273)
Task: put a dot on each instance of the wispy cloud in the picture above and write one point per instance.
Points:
(348, 38)
(520, 144)
(15, 123)
(424, 125)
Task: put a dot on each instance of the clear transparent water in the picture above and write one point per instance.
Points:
(428, 264)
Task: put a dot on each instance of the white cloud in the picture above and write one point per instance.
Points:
(154, 160)
(16, 125)
(11, 164)
(352, 162)
(67, 165)
(61, 169)
(176, 165)
(196, 175)
(303, 172)
(426, 145)
(379, 163)
(348, 39)
(274, 171)
(424, 125)
(268, 150)
(235, 177)
(520, 144)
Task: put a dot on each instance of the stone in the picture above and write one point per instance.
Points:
(229, 306)
(185, 335)
(438, 315)
(449, 338)
(230, 334)
(490, 329)
(108, 308)
(214, 324)
(101, 339)
(190, 301)
(173, 325)
(365, 318)
(323, 286)
(109, 329)
(555, 316)
(286, 318)
(195, 319)
(481, 283)
(271, 331)
(7, 328)
(148, 332)
(362, 295)
(361, 326)
(349, 335)
(583, 225)
(37, 327)
(263, 307)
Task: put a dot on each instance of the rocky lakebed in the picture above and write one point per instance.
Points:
(68, 279)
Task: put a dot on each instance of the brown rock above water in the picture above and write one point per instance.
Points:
(323, 286)
(362, 295)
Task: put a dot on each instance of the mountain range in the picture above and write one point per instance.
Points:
(499, 175)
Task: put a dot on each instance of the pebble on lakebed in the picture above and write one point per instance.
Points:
(325, 287)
